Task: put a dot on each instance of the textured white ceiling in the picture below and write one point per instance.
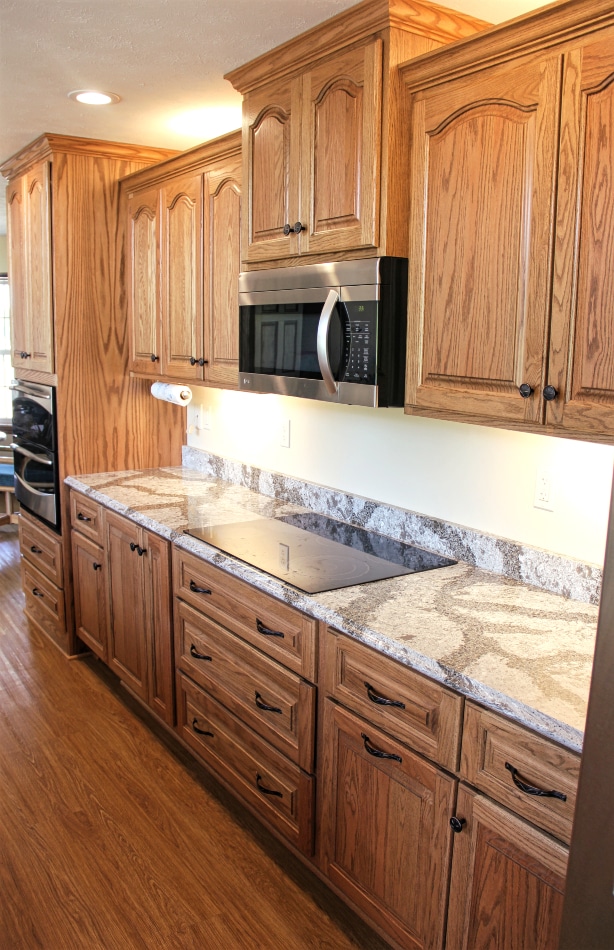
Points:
(165, 58)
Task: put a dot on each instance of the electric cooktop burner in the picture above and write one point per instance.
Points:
(315, 553)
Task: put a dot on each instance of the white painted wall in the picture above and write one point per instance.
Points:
(482, 478)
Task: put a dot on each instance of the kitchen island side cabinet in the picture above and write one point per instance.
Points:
(184, 233)
(386, 841)
(512, 226)
(140, 642)
(322, 119)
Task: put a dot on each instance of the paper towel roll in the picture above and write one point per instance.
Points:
(179, 395)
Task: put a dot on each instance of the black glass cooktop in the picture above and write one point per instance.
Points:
(315, 553)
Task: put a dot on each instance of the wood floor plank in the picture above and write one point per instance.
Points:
(113, 838)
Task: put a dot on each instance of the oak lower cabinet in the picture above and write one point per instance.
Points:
(511, 224)
(323, 161)
(183, 240)
(508, 881)
(510, 850)
(244, 705)
(140, 643)
(386, 840)
(43, 579)
(89, 568)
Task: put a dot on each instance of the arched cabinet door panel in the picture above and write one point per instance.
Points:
(144, 296)
(482, 235)
(581, 352)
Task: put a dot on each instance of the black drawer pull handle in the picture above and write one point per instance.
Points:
(198, 590)
(532, 789)
(199, 656)
(267, 630)
(35, 550)
(37, 592)
(201, 732)
(82, 517)
(377, 752)
(381, 700)
(96, 566)
(264, 790)
(262, 705)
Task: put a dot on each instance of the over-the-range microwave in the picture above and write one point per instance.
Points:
(334, 331)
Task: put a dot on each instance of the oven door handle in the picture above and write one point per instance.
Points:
(29, 392)
(30, 488)
(322, 341)
(30, 455)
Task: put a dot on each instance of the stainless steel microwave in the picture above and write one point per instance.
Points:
(335, 332)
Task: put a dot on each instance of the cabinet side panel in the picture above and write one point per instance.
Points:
(106, 421)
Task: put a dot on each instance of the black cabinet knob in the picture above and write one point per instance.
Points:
(96, 566)
(298, 227)
(525, 390)
(203, 362)
(287, 229)
(24, 355)
(193, 361)
(154, 358)
(550, 393)
(456, 824)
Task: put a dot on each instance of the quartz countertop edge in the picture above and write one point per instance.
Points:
(373, 614)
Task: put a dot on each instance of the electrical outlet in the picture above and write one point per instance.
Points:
(543, 490)
(284, 557)
(201, 419)
(284, 434)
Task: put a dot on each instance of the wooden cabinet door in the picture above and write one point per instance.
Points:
(143, 237)
(507, 881)
(340, 159)
(581, 346)
(222, 221)
(271, 145)
(483, 159)
(158, 595)
(385, 831)
(90, 594)
(29, 214)
(182, 258)
(127, 623)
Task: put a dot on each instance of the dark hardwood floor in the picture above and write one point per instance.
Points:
(112, 837)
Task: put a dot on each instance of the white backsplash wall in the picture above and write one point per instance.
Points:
(481, 478)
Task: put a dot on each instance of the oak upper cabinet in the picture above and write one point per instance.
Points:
(321, 140)
(511, 227)
(184, 235)
(140, 647)
(313, 151)
(29, 213)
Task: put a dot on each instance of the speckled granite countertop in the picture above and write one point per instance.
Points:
(518, 650)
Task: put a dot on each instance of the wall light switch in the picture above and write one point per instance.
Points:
(284, 434)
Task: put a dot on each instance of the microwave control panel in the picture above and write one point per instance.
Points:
(362, 355)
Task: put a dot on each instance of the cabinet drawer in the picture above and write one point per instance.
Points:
(44, 601)
(405, 704)
(493, 747)
(42, 548)
(275, 702)
(270, 625)
(276, 788)
(86, 516)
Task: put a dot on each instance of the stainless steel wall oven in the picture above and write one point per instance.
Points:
(35, 450)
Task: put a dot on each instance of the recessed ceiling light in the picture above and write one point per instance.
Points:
(92, 98)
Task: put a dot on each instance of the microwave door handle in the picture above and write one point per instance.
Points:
(322, 341)
(30, 455)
